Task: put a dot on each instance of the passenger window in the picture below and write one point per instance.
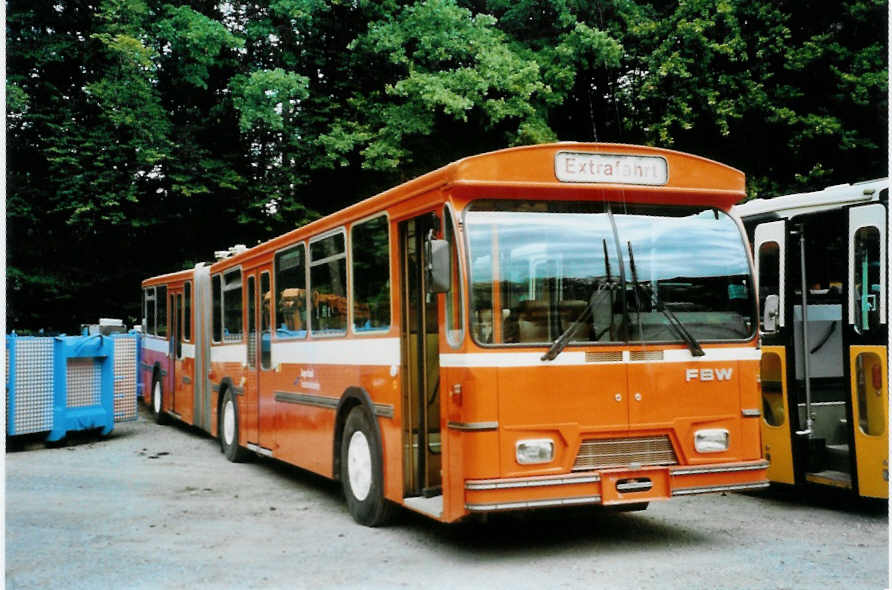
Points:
(265, 322)
(871, 406)
(328, 281)
(150, 310)
(232, 306)
(370, 247)
(867, 279)
(769, 275)
(454, 310)
(217, 297)
(291, 293)
(161, 302)
(187, 312)
(772, 389)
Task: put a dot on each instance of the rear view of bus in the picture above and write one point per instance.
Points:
(613, 351)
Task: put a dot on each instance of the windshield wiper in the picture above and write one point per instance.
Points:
(674, 322)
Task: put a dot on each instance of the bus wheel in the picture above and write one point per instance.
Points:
(361, 472)
(229, 430)
(157, 411)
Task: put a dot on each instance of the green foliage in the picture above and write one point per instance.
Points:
(443, 66)
(269, 98)
(144, 134)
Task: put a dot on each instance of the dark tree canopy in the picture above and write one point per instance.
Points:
(142, 134)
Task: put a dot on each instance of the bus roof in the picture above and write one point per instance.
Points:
(565, 170)
(171, 277)
(832, 197)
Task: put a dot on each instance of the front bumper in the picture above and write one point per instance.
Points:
(613, 486)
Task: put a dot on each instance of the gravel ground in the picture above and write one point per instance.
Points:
(159, 507)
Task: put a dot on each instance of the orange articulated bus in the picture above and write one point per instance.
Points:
(540, 326)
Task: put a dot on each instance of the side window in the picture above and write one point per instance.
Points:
(291, 293)
(217, 307)
(252, 324)
(370, 248)
(187, 312)
(328, 281)
(769, 274)
(866, 289)
(454, 316)
(150, 310)
(232, 306)
(265, 322)
(161, 302)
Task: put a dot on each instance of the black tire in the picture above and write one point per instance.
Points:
(158, 412)
(366, 502)
(228, 430)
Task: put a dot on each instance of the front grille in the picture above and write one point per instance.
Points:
(646, 355)
(609, 356)
(619, 452)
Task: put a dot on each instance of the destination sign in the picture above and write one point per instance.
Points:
(612, 168)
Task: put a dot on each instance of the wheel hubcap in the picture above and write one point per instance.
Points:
(359, 465)
(228, 422)
(156, 398)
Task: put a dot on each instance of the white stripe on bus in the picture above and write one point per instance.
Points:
(354, 351)
(229, 353)
(534, 359)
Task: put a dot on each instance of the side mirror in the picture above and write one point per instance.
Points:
(437, 269)
(770, 313)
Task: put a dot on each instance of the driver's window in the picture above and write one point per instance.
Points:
(866, 288)
(769, 276)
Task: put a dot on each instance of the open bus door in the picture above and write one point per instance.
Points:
(867, 339)
(179, 380)
(421, 367)
(770, 246)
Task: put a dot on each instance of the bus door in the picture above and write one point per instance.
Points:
(266, 410)
(867, 339)
(769, 243)
(258, 409)
(184, 390)
(420, 361)
(250, 406)
(181, 382)
(817, 369)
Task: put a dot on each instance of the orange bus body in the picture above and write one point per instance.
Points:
(620, 418)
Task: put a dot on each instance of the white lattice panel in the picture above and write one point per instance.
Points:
(125, 379)
(33, 385)
(84, 383)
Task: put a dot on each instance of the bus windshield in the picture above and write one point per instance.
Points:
(537, 267)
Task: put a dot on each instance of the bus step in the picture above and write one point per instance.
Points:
(838, 458)
(430, 506)
(830, 477)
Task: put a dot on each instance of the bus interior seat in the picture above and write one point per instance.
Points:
(532, 321)
(570, 310)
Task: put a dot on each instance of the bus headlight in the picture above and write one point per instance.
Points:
(539, 450)
(712, 440)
